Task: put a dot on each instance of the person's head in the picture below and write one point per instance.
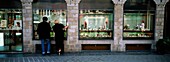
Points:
(143, 21)
(18, 24)
(56, 21)
(45, 19)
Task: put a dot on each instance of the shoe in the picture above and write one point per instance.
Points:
(48, 53)
(43, 53)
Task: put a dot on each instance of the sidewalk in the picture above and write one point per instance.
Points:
(88, 57)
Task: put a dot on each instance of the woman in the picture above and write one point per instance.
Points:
(59, 30)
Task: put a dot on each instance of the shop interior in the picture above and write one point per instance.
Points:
(52, 15)
(96, 24)
(11, 30)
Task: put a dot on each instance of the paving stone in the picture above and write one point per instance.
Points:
(86, 57)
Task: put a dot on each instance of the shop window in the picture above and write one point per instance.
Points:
(139, 19)
(138, 25)
(11, 30)
(52, 15)
(95, 24)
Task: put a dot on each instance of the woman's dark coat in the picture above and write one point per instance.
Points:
(59, 32)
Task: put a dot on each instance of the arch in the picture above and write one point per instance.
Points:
(139, 13)
(140, 5)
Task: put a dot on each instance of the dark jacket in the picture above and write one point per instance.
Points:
(44, 30)
(59, 32)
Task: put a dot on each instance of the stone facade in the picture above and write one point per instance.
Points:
(27, 26)
(159, 25)
(118, 44)
(73, 44)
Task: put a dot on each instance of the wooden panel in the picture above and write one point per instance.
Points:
(95, 47)
(138, 46)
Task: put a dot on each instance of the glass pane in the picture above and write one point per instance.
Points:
(11, 30)
(138, 25)
(52, 15)
(95, 24)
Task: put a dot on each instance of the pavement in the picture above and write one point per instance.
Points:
(88, 56)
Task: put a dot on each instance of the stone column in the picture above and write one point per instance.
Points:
(72, 44)
(160, 11)
(159, 21)
(118, 44)
(27, 26)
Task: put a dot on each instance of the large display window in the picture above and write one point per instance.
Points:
(95, 24)
(139, 18)
(52, 16)
(138, 25)
(11, 30)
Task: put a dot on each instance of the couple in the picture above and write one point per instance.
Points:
(44, 30)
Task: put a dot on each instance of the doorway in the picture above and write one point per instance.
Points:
(167, 21)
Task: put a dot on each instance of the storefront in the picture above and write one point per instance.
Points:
(11, 36)
(54, 10)
(139, 24)
(96, 24)
(114, 25)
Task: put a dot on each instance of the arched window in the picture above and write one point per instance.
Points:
(139, 18)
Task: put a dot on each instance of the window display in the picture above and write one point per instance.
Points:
(138, 25)
(52, 15)
(11, 30)
(95, 24)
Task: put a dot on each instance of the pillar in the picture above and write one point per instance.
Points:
(159, 21)
(72, 44)
(27, 26)
(118, 44)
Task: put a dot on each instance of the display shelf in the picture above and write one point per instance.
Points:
(52, 35)
(138, 35)
(96, 34)
(95, 30)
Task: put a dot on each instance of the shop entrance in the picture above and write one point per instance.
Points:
(167, 21)
(11, 36)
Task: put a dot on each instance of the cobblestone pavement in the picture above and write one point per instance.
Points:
(86, 57)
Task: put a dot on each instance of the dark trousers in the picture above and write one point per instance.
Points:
(59, 45)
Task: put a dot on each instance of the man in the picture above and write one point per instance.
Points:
(44, 30)
(59, 36)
